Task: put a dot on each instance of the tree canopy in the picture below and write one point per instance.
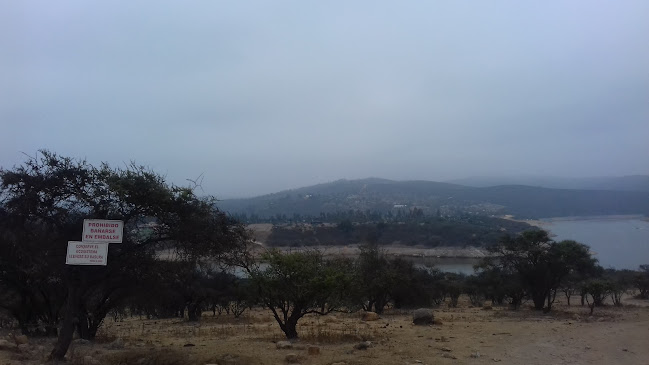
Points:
(42, 205)
(539, 263)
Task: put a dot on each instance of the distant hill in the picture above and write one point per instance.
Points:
(383, 195)
(623, 183)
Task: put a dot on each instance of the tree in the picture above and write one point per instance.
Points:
(374, 281)
(296, 284)
(539, 263)
(43, 203)
(642, 282)
(598, 290)
(621, 282)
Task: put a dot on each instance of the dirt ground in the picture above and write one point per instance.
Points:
(466, 336)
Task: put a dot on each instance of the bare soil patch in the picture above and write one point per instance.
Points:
(466, 336)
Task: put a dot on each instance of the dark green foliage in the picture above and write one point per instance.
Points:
(598, 290)
(453, 287)
(429, 231)
(539, 264)
(414, 287)
(373, 279)
(296, 284)
(44, 202)
(379, 197)
(642, 282)
(621, 283)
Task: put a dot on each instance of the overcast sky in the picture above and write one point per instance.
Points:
(261, 96)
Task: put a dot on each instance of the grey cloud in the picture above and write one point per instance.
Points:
(262, 96)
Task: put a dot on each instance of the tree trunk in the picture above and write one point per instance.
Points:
(539, 300)
(290, 326)
(194, 312)
(69, 319)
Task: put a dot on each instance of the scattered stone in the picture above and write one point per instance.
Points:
(229, 359)
(437, 322)
(496, 360)
(292, 358)
(446, 349)
(418, 361)
(189, 345)
(118, 344)
(363, 345)
(21, 340)
(313, 350)
(339, 363)
(475, 355)
(443, 339)
(576, 317)
(370, 316)
(281, 345)
(588, 347)
(422, 316)
(487, 307)
(6, 345)
(625, 350)
(449, 356)
(89, 360)
(24, 348)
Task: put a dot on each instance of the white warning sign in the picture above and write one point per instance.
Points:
(102, 230)
(87, 253)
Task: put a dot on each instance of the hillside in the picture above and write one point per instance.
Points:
(621, 183)
(435, 198)
(428, 233)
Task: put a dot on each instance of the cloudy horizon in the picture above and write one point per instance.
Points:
(267, 96)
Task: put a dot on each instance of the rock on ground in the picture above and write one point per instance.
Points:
(363, 345)
(292, 358)
(284, 345)
(6, 345)
(423, 316)
(370, 316)
(118, 344)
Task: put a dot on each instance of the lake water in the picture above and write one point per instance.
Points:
(619, 242)
(622, 243)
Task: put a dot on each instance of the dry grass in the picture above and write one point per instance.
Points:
(514, 337)
(147, 357)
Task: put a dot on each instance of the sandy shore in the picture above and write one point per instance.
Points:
(398, 251)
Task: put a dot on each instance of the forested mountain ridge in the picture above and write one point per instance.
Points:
(621, 183)
(435, 198)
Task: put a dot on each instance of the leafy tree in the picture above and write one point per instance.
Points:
(374, 281)
(43, 203)
(598, 290)
(539, 263)
(642, 282)
(621, 282)
(296, 284)
(412, 287)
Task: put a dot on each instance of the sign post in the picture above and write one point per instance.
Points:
(93, 248)
(102, 230)
(87, 253)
